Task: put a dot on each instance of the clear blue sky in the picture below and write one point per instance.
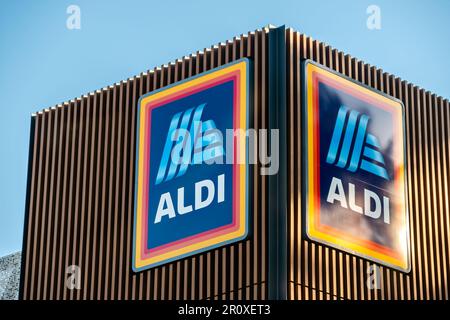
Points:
(42, 63)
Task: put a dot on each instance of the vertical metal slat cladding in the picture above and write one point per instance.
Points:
(81, 191)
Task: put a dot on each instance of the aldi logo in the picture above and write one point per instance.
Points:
(195, 152)
(189, 196)
(355, 168)
(370, 151)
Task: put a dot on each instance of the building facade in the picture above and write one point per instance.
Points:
(80, 193)
(9, 276)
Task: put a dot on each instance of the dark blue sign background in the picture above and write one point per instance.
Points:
(379, 125)
(219, 108)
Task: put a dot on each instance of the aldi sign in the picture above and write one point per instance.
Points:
(355, 168)
(191, 195)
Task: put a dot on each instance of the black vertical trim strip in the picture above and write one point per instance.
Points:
(277, 193)
(27, 208)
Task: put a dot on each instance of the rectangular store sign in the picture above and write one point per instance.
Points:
(189, 198)
(355, 168)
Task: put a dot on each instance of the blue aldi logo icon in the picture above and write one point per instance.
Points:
(206, 146)
(364, 144)
(189, 196)
(355, 168)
